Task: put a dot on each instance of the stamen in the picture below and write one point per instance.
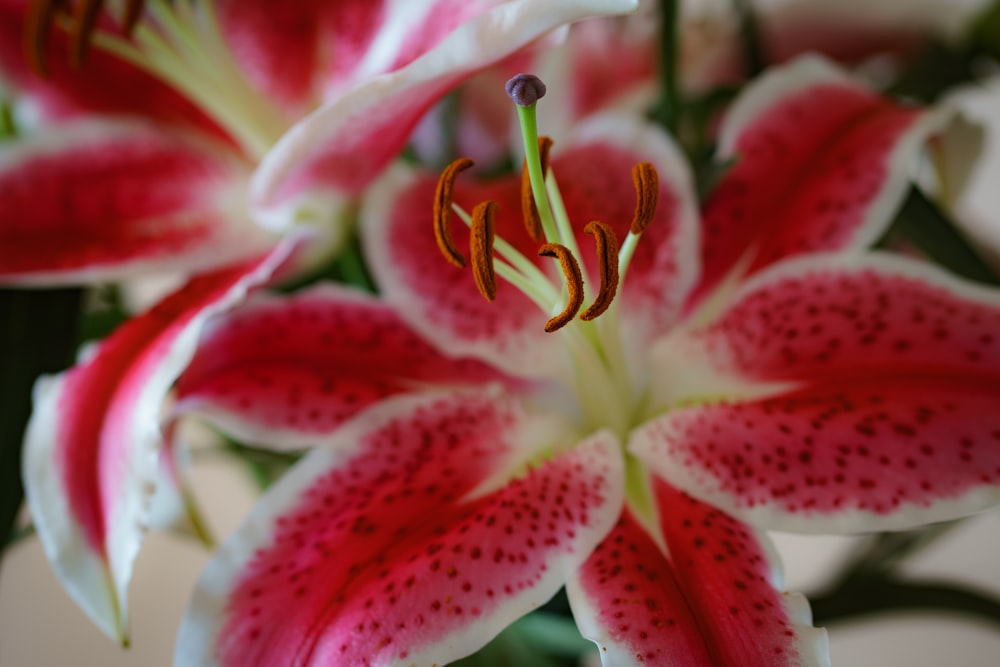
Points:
(86, 18)
(38, 22)
(647, 191)
(133, 10)
(529, 210)
(574, 284)
(442, 210)
(41, 19)
(607, 262)
(481, 248)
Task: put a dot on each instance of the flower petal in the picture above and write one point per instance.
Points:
(285, 50)
(441, 301)
(286, 371)
(105, 85)
(92, 201)
(821, 164)
(715, 600)
(887, 418)
(91, 445)
(402, 542)
(338, 149)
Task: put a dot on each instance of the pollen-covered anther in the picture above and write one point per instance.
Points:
(529, 210)
(84, 21)
(647, 192)
(442, 210)
(41, 19)
(607, 262)
(481, 248)
(574, 284)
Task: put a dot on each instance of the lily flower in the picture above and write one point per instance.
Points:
(194, 145)
(630, 401)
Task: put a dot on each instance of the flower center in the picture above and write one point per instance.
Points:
(181, 44)
(607, 395)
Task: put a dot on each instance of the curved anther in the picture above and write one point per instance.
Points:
(574, 284)
(607, 262)
(529, 210)
(133, 10)
(481, 248)
(442, 210)
(84, 21)
(41, 19)
(40, 16)
(647, 191)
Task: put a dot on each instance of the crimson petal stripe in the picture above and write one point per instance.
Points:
(284, 372)
(100, 200)
(91, 447)
(341, 147)
(397, 545)
(821, 164)
(889, 372)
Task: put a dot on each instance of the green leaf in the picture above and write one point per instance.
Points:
(39, 335)
(923, 224)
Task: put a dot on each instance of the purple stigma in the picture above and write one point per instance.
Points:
(525, 89)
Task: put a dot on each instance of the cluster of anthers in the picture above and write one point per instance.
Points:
(546, 223)
(79, 19)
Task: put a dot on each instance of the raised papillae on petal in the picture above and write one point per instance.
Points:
(287, 371)
(698, 589)
(819, 163)
(402, 543)
(887, 419)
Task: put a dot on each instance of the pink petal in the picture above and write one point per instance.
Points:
(821, 164)
(288, 50)
(441, 300)
(626, 598)
(887, 416)
(715, 600)
(402, 542)
(286, 371)
(105, 85)
(93, 201)
(338, 149)
(91, 445)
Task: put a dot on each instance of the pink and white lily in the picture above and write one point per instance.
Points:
(757, 365)
(194, 146)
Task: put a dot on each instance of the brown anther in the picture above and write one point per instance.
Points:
(133, 9)
(84, 20)
(442, 209)
(481, 248)
(647, 191)
(607, 262)
(574, 284)
(529, 210)
(40, 16)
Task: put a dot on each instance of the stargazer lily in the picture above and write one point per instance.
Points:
(191, 140)
(606, 421)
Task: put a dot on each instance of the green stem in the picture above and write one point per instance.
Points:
(668, 110)
(869, 596)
